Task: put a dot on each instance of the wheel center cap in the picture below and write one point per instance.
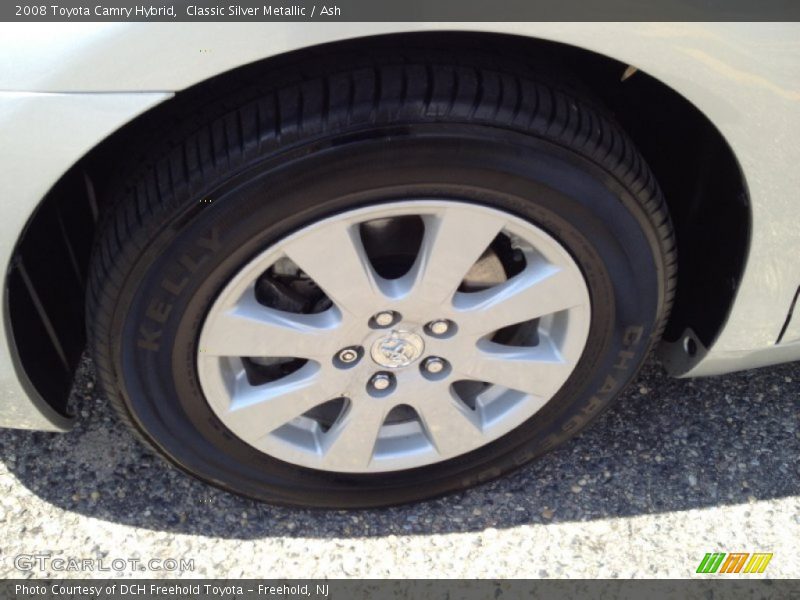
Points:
(398, 349)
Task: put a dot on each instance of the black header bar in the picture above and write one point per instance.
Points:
(399, 10)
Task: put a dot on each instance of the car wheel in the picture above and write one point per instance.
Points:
(376, 285)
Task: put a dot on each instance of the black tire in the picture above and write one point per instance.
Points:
(235, 177)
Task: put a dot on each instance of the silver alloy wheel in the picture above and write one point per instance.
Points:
(507, 383)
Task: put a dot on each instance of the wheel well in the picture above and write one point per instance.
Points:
(697, 171)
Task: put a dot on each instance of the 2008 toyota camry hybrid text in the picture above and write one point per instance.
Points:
(366, 264)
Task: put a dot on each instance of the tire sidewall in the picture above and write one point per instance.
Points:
(205, 238)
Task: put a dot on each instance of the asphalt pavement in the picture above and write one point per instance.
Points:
(677, 469)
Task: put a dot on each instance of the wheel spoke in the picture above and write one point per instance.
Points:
(539, 371)
(454, 240)
(335, 258)
(534, 293)
(350, 443)
(451, 427)
(258, 410)
(251, 329)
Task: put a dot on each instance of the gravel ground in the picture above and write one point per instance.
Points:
(678, 468)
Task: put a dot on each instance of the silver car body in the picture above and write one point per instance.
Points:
(66, 87)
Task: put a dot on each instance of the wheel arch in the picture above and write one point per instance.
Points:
(709, 207)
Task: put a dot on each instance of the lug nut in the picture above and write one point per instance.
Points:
(348, 355)
(434, 365)
(381, 381)
(439, 327)
(384, 319)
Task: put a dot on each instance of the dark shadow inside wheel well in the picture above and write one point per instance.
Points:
(692, 162)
